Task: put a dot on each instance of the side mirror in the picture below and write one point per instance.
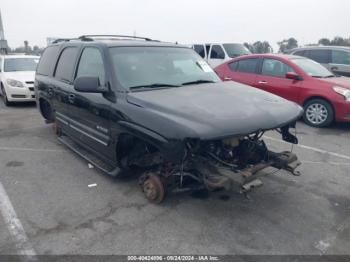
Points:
(293, 76)
(88, 84)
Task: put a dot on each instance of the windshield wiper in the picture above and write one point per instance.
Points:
(329, 76)
(155, 85)
(197, 82)
(324, 76)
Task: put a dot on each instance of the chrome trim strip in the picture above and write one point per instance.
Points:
(75, 125)
(61, 120)
(88, 135)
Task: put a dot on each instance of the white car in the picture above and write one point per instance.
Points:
(17, 74)
(218, 53)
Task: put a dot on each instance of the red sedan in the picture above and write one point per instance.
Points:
(324, 96)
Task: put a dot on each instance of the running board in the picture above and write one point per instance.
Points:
(89, 157)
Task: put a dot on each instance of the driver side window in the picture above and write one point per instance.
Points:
(276, 68)
(91, 64)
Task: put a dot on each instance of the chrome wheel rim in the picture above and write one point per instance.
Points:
(316, 113)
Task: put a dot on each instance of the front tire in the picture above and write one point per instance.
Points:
(318, 113)
(4, 96)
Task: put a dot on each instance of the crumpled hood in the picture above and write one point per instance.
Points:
(209, 111)
(23, 76)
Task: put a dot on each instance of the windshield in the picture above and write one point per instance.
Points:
(234, 50)
(20, 64)
(312, 68)
(159, 66)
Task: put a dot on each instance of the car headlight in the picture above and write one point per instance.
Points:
(14, 83)
(342, 91)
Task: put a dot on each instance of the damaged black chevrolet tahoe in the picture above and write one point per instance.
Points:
(128, 104)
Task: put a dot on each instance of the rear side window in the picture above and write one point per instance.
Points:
(233, 66)
(48, 61)
(340, 57)
(247, 65)
(91, 64)
(272, 67)
(66, 63)
(320, 56)
(217, 52)
(200, 50)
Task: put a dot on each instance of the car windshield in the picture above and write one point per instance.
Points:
(157, 67)
(312, 68)
(234, 50)
(20, 64)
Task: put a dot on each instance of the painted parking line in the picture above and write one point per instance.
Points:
(19, 129)
(2, 148)
(311, 148)
(327, 163)
(15, 227)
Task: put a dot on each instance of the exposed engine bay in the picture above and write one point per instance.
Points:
(230, 163)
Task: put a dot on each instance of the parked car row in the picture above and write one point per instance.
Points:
(324, 96)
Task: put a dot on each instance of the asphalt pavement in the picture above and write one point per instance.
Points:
(48, 188)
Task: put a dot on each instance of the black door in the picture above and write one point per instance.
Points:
(89, 112)
(62, 84)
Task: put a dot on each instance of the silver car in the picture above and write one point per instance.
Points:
(334, 58)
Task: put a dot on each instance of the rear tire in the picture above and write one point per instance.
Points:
(318, 113)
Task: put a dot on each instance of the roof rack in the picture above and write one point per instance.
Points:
(58, 40)
(111, 37)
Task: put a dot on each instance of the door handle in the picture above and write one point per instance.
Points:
(227, 78)
(262, 82)
(334, 68)
(71, 98)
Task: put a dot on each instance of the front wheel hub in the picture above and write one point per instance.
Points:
(153, 189)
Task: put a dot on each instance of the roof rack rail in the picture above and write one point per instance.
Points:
(91, 37)
(58, 40)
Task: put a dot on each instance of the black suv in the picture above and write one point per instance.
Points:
(134, 105)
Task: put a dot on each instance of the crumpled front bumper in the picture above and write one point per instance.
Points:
(244, 180)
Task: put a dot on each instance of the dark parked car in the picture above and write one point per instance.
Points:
(334, 58)
(324, 96)
(128, 104)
